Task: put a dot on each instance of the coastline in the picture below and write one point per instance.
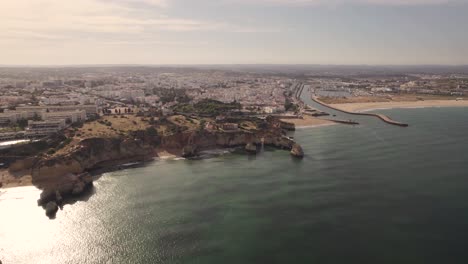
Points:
(366, 107)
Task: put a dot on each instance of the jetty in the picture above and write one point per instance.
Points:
(346, 122)
(384, 118)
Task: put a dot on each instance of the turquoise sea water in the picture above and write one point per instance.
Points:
(372, 193)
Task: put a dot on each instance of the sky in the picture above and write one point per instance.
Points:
(342, 32)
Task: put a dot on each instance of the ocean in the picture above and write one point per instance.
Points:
(372, 193)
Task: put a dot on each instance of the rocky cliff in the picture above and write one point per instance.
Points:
(189, 143)
(67, 173)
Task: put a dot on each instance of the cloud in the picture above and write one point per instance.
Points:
(152, 3)
(48, 17)
(341, 2)
(67, 19)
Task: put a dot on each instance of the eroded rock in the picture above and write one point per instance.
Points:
(251, 148)
(297, 151)
(78, 188)
(51, 208)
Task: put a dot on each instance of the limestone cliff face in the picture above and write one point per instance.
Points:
(297, 151)
(189, 143)
(88, 154)
(287, 125)
(67, 173)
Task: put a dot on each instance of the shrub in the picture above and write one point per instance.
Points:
(51, 151)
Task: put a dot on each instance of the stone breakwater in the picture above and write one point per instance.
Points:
(384, 118)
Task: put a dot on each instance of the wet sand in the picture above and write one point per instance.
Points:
(361, 107)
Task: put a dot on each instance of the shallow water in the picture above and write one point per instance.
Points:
(372, 193)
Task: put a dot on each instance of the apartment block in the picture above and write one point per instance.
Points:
(44, 128)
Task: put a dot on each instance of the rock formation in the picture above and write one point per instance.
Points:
(67, 173)
(287, 125)
(297, 151)
(51, 208)
(251, 148)
(58, 197)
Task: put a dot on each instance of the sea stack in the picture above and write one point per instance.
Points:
(51, 208)
(297, 151)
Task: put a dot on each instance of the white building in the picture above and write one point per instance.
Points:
(7, 136)
(89, 109)
(11, 117)
(55, 100)
(69, 117)
(44, 128)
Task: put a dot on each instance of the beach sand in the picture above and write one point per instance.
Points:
(165, 155)
(361, 107)
(9, 180)
(308, 121)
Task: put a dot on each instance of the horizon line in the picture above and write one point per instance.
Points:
(223, 64)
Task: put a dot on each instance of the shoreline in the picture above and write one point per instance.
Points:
(367, 107)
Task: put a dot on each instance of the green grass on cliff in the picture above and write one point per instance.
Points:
(207, 107)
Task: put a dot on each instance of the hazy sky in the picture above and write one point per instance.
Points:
(233, 31)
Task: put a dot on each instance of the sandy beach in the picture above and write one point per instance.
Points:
(8, 180)
(162, 154)
(361, 107)
(308, 121)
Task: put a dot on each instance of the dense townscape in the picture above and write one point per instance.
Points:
(36, 102)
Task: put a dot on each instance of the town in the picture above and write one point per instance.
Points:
(38, 102)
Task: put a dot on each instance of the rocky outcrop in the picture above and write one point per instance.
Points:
(287, 125)
(189, 143)
(251, 148)
(58, 197)
(64, 186)
(297, 151)
(68, 173)
(51, 208)
(189, 151)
